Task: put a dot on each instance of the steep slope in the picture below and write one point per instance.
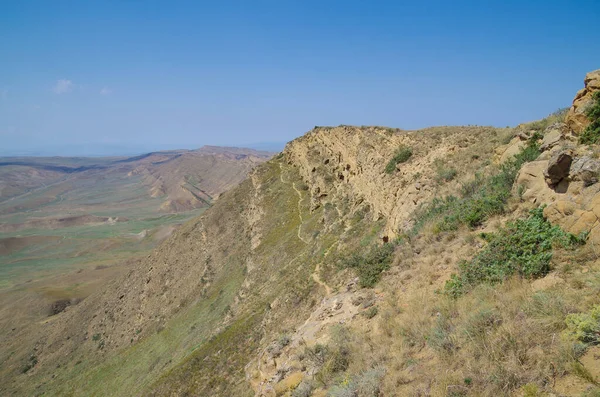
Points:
(71, 230)
(241, 268)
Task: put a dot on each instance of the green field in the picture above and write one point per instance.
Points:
(110, 194)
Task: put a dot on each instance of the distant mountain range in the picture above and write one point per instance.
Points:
(102, 149)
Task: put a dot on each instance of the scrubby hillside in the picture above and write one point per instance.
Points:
(362, 261)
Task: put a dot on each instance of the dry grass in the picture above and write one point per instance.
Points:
(492, 341)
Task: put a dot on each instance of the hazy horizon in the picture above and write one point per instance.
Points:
(85, 75)
(107, 150)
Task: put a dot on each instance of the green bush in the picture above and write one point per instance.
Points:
(401, 156)
(592, 132)
(331, 359)
(585, 327)
(481, 197)
(523, 247)
(370, 265)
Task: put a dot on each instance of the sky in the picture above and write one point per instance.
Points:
(84, 76)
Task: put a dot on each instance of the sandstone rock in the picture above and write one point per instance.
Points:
(559, 210)
(553, 135)
(585, 169)
(558, 167)
(512, 149)
(531, 178)
(584, 222)
(594, 204)
(576, 118)
(594, 236)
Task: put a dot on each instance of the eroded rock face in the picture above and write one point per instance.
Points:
(558, 168)
(554, 135)
(576, 118)
(585, 169)
(346, 165)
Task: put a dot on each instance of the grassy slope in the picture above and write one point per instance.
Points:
(217, 367)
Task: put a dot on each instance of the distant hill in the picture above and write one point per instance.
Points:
(183, 179)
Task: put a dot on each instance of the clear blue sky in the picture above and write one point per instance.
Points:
(187, 73)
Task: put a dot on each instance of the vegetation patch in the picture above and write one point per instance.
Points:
(31, 362)
(370, 265)
(585, 327)
(444, 173)
(365, 384)
(523, 247)
(480, 198)
(370, 312)
(592, 132)
(329, 360)
(401, 156)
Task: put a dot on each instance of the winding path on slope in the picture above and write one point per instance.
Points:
(315, 274)
(299, 202)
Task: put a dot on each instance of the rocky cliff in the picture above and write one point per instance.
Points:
(347, 164)
(576, 118)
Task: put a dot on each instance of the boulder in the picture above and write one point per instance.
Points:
(531, 180)
(576, 118)
(585, 169)
(558, 168)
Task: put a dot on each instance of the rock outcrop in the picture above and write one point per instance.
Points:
(576, 118)
(554, 135)
(573, 202)
(558, 168)
(346, 164)
(585, 169)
